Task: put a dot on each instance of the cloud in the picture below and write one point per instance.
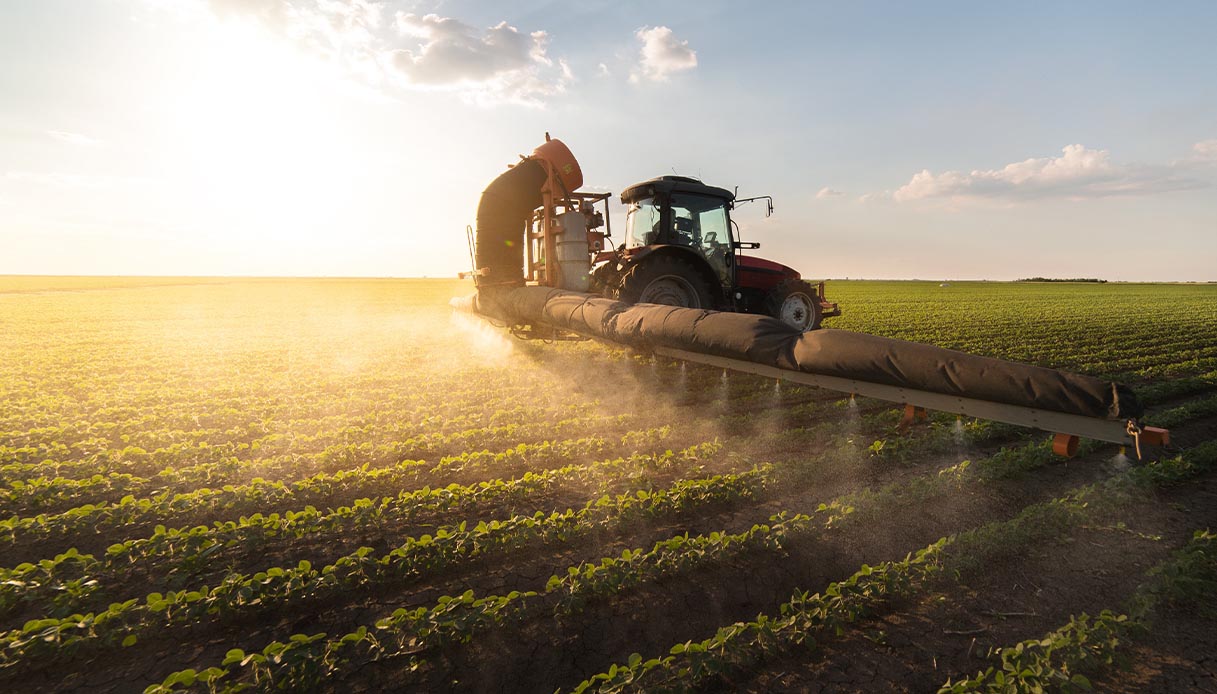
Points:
(826, 193)
(453, 51)
(1078, 173)
(498, 64)
(1205, 150)
(73, 138)
(662, 54)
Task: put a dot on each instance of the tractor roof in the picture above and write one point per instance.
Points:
(664, 185)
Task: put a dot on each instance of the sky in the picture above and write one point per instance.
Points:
(944, 140)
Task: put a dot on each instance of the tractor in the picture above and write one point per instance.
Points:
(681, 248)
(681, 245)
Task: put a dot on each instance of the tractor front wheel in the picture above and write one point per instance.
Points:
(796, 303)
(665, 280)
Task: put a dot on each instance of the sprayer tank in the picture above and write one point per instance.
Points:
(574, 258)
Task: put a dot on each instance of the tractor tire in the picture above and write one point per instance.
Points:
(665, 280)
(796, 303)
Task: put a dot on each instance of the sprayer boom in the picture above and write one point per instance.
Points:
(921, 377)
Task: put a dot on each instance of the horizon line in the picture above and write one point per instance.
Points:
(1027, 280)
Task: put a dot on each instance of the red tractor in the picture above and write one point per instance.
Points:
(681, 249)
(680, 243)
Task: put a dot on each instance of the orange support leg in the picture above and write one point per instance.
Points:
(1065, 445)
(912, 414)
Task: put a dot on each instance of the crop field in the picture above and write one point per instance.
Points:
(339, 485)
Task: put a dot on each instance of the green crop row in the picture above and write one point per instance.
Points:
(1062, 659)
(195, 548)
(158, 419)
(72, 577)
(46, 494)
(304, 661)
(738, 646)
(679, 553)
(682, 553)
(591, 580)
(197, 545)
(233, 499)
(414, 631)
(42, 639)
(730, 649)
(1190, 411)
(134, 470)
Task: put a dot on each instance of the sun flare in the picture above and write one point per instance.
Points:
(261, 139)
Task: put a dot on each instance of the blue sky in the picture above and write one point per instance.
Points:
(350, 137)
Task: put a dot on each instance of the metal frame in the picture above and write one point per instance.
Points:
(540, 243)
(1114, 431)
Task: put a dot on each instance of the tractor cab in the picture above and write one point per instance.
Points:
(681, 249)
(682, 213)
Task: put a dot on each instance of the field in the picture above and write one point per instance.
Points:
(218, 485)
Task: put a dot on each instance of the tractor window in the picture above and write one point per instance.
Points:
(642, 223)
(700, 221)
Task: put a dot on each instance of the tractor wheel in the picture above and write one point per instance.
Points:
(795, 303)
(670, 281)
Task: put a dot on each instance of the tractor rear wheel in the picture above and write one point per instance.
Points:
(796, 303)
(665, 280)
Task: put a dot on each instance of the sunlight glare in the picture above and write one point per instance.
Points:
(263, 142)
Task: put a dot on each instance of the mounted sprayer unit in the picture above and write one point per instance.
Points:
(536, 239)
(534, 226)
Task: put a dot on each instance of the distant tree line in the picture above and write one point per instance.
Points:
(1058, 279)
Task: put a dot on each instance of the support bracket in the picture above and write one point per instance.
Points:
(1065, 445)
(912, 415)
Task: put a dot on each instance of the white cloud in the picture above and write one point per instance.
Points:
(877, 196)
(826, 193)
(73, 138)
(604, 70)
(499, 64)
(662, 54)
(1205, 150)
(1078, 173)
(453, 51)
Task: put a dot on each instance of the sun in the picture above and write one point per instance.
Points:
(265, 139)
